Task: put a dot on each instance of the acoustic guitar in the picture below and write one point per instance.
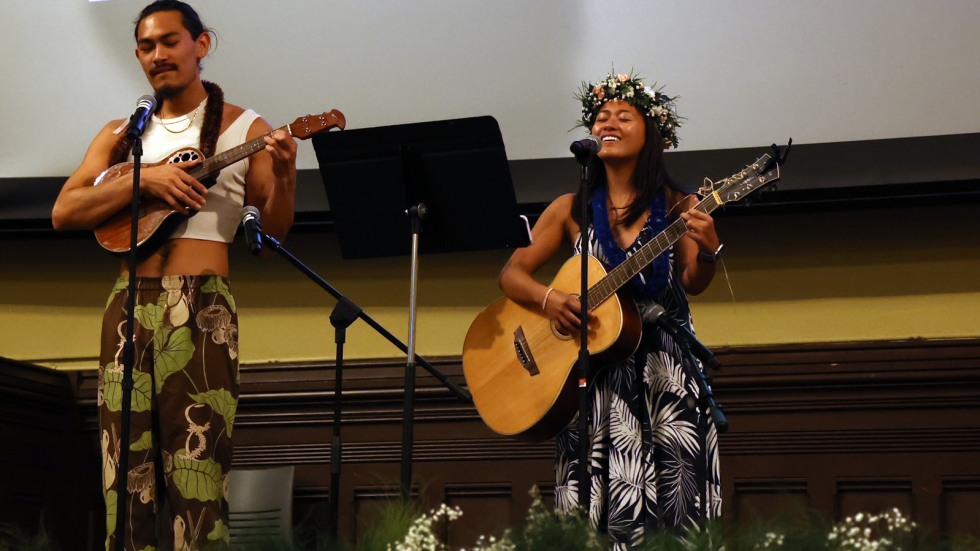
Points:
(521, 370)
(157, 219)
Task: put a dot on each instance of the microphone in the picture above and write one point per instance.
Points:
(679, 332)
(585, 149)
(253, 229)
(145, 106)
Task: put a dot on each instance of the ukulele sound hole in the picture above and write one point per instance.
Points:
(184, 157)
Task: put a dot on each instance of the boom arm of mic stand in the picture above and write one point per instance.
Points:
(460, 393)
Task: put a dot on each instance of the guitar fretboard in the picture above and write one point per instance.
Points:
(733, 188)
(619, 275)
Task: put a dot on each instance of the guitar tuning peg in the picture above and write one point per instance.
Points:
(706, 187)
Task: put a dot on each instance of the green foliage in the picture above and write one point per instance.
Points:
(394, 518)
(545, 530)
(12, 538)
(965, 543)
(395, 525)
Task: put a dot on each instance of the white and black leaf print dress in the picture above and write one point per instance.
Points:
(647, 457)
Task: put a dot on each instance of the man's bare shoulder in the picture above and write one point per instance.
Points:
(116, 126)
(232, 111)
(229, 114)
(107, 138)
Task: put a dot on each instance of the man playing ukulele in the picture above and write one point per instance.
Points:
(186, 348)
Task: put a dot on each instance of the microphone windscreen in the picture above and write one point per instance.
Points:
(250, 213)
(147, 101)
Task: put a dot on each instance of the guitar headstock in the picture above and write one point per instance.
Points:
(304, 127)
(762, 173)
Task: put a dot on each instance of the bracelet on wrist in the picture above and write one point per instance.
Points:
(710, 257)
(544, 303)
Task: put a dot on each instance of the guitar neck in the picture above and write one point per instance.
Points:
(213, 165)
(618, 276)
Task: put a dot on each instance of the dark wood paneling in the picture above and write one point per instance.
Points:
(754, 500)
(836, 427)
(47, 474)
(960, 505)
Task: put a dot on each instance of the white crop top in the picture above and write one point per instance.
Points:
(219, 219)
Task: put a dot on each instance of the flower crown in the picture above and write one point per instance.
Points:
(629, 88)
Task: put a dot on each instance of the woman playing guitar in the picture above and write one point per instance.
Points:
(645, 448)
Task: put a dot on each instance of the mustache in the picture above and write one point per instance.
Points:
(162, 68)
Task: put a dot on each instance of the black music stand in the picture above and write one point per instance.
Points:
(448, 180)
(457, 168)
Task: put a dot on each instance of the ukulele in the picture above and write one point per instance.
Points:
(157, 219)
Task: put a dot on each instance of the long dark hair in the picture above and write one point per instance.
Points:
(649, 178)
(188, 16)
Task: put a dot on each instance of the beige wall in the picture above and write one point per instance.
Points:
(879, 274)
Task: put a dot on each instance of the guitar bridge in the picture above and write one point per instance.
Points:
(524, 352)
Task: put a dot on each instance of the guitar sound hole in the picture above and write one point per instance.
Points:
(561, 335)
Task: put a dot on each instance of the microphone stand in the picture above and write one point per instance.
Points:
(705, 404)
(129, 355)
(344, 313)
(352, 311)
(584, 404)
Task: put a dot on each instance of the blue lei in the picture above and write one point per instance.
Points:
(655, 223)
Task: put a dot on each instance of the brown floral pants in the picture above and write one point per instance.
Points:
(184, 400)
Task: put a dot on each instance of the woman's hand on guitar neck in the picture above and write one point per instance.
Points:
(700, 237)
(173, 185)
(701, 228)
(563, 311)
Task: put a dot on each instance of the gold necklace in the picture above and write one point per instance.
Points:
(189, 124)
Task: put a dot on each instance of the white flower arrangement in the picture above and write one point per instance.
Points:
(420, 536)
(887, 531)
(771, 540)
(863, 532)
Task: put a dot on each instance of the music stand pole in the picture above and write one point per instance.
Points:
(129, 355)
(416, 213)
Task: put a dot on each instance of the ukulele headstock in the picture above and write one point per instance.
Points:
(306, 126)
